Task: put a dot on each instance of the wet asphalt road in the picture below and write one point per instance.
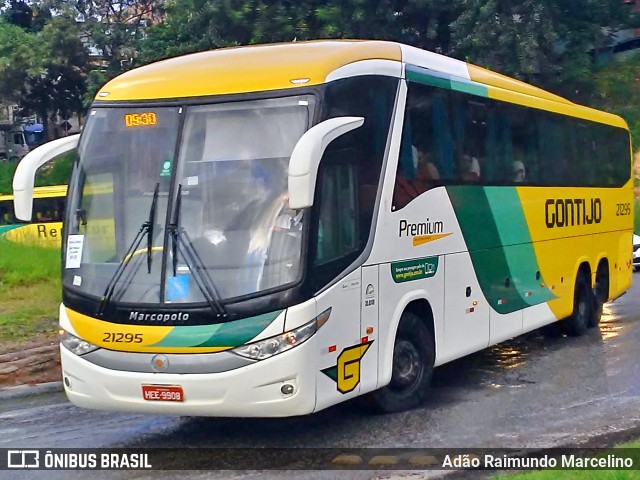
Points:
(528, 392)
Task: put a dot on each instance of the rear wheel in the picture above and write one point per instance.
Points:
(413, 359)
(600, 293)
(552, 330)
(583, 308)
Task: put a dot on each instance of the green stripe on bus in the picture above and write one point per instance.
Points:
(470, 88)
(424, 76)
(188, 336)
(238, 333)
(420, 77)
(481, 233)
(506, 210)
(230, 334)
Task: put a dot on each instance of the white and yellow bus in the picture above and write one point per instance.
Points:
(296, 225)
(45, 227)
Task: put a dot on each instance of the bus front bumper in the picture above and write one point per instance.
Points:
(251, 391)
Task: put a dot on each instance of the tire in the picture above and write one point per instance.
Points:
(413, 359)
(583, 308)
(600, 296)
(552, 330)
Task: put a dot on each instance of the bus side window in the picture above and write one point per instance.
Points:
(44, 210)
(337, 225)
(6, 213)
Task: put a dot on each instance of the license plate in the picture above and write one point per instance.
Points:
(163, 393)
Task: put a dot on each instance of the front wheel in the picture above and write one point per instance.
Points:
(413, 359)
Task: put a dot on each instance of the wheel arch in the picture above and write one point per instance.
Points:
(418, 303)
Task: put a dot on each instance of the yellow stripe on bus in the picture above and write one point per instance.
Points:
(101, 333)
(246, 69)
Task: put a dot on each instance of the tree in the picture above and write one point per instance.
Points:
(545, 42)
(44, 73)
(114, 27)
(19, 13)
(19, 52)
(549, 43)
(195, 25)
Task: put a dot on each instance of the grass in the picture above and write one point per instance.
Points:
(30, 291)
(579, 474)
(637, 217)
(56, 173)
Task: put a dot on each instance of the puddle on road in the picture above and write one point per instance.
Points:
(610, 325)
(495, 367)
(509, 356)
(501, 366)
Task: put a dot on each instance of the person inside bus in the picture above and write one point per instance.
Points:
(407, 186)
(426, 171)
(288, 220)
(469, 168)
(519, 171)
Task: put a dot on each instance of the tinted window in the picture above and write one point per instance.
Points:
(453, 138)
(48, 209)
(349, 176)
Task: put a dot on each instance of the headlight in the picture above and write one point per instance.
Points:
(76, 345)
(281, 343)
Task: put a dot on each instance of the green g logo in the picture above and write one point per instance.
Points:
(346, 373)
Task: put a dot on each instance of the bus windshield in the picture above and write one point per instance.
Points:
(230, 168)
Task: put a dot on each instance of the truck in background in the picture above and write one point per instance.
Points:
(16, 140)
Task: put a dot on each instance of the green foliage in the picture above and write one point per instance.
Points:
(19, 54)
(30, 290)
(618, 87)
(544, 43)
(57, 172)
(196, 25)
(58, 89)
(25, 265)
(6, 176)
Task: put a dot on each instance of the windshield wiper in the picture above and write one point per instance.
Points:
(193, 261)
(145, 229)
(151, 224)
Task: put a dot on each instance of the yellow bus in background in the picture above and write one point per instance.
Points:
(45, 228)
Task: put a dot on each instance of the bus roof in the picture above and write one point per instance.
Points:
(42, 192)
(299, 64)
(244, 69)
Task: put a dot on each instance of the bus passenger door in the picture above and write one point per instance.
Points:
(466, 326)
(369, 328)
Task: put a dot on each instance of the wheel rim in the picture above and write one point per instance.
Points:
(407, 366)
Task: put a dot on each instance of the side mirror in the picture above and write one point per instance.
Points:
(306, 156)
(24, 178)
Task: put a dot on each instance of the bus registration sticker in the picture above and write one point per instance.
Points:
(75, 245)
(163, 393)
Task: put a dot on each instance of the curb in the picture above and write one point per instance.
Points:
(23, 391)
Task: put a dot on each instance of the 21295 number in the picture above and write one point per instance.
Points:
(118, 337)
(623, 209)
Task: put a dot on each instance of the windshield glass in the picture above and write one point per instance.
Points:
(231, 170)
(124, 154)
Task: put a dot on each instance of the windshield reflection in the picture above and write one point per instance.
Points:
(231, 170)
